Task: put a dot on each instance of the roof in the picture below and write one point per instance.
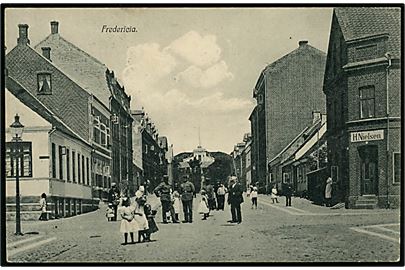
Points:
(37, 106)
(360, 22)
(89, 72)
(283, 61)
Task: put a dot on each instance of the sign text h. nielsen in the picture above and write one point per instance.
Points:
(364, 136)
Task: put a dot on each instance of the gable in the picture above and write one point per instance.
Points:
(86, 70)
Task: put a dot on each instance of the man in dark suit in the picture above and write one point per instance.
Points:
(288, 193)
(235, 198)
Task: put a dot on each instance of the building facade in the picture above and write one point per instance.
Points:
(58, 150)
(287, 92)
(363, 92)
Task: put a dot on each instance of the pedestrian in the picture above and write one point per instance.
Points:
(128, 225)
(42, 204)
(288, 193)
(114, 199)
(253, 196)
(249, 190)
(176, 204)
(221, 196)
(140, 216)
(274, 196)
(210, 195)
(235, 198)
(187, 191)
(109, 213)
(203, 207)
(328, 192)
(150, 216)
(163, 190)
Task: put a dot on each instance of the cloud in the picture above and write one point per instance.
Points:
(198, 50)
(212, 76)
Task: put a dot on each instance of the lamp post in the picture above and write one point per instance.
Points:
(16, 131)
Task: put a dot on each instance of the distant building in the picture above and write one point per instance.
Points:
(305, 153)
(363, 94)
(287, 92)
(154, 163)
(242, 168)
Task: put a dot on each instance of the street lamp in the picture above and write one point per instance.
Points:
(17, 130)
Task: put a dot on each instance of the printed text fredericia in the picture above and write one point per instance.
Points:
(118, 29)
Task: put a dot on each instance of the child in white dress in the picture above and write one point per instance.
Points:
(203, 207)
(176, 204)
(128, 225)
(140, 217)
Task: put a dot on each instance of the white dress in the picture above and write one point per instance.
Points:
(141, 221)
(273, 193)
(176, 205)
(127, 226)
(203, 207)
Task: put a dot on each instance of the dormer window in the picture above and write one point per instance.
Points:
(260, 99)
(366, 52)
(44, 83)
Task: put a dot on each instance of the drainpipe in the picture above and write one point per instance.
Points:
(388, 56)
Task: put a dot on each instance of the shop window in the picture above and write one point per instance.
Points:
(397, 168)
(87, 171)
(367, 101)
(44, 83)
(83, 171)
(24, 159)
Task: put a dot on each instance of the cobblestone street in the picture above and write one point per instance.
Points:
(272, 233)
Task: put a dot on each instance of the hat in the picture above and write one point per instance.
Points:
(113, 184)
(142, 188)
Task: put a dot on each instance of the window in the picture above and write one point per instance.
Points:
(60, 162)
(83, 171)
(78, 168)
(397, 168)
(87, 171)
(44, 83)
(367, 101)
(24, 159)
(74, 166)
(67, 164)
(103, 132)
(53, 160)
(260, 99)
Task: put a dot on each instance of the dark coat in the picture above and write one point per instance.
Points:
(187, 191)
(235, 194)
(163, 191)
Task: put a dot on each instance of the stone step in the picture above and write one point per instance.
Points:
(365, 206)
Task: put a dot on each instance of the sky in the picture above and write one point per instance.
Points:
(190, 68)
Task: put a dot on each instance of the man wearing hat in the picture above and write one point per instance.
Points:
(187, 193)
(114, 199)
(235, 198)
(163, 190)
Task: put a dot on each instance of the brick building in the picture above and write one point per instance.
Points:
(121, 132)
(363, 93)
(56, 113)
(287, 92)
(111, 139)
(242, 161)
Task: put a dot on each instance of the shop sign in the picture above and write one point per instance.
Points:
(365, 136)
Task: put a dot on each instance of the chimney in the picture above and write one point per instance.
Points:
(46, 52)
(54, 27)
(316, 116)
(23, 35)
(302, 43)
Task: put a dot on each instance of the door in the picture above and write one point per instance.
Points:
(369, 174)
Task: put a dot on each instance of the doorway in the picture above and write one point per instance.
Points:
(369, 169)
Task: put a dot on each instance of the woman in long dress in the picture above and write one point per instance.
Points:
(203, 207)
(274, 196)
(140, 216)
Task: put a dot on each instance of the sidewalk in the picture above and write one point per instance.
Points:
(307, 207)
